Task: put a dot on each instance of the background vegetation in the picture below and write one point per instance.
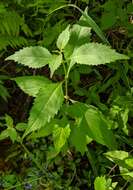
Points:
(51, 157)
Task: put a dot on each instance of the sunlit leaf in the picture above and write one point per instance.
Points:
(95, 54)
(117, 154)
(100, 183)
(60, 135)
(46, 105)
(32, 84)
(54, 63)
(34, 57)
(63, 38)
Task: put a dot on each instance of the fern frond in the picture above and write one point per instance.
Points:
(12, 41)
(10, 23)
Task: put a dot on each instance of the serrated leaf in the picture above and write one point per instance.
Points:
(46, 105)
(100, 183)
(98, 129)
(63, 38)
(60, 135)
(34, 57)
(95, 54)
(54, 63)
(32, 84)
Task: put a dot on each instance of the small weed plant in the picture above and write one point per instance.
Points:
(71, 122)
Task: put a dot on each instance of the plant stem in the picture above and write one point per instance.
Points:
(32, 156)
(66, 88)
(66, 82)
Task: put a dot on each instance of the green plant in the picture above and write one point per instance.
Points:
(64, 111)
(49, 96)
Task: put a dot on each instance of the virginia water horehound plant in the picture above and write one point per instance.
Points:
(54, 112)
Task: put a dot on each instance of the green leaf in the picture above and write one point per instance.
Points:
(88, 21)
(44, 131)
(3, 92)
(123, 160)
(78, 129)
(63, 38)
(129, 162)
(9, 132)
(52, 153)
(13, 41)
(117, 154)
(4, 134)
(34, 57)
(130, 174)
(95, 54)
(126, 173)
(108, 20)
(12, 134)
(54, 63)
(130, 187)
(21, 126)
(75, 78)
(60, 136)
(46, 105)
(78, 137)
(9, 121)
(76, 110)
(32, 84)
(94, 123)
(100, 183)
(109, 5)
(98, 128)
(52, 32)
(78, 36)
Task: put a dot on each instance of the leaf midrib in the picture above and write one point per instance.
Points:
(45, 105)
